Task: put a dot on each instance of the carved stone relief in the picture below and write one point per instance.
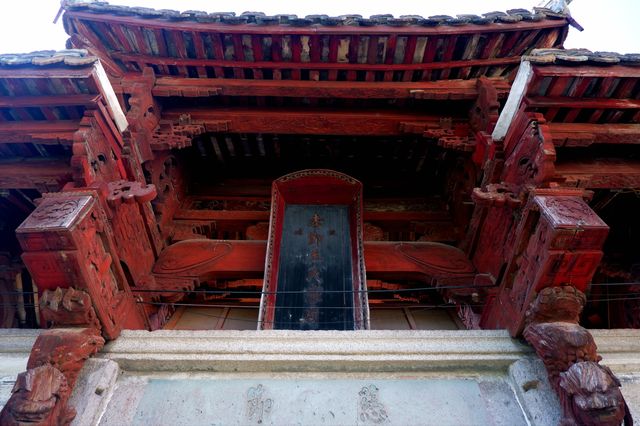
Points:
(259, 405)
(370, 409)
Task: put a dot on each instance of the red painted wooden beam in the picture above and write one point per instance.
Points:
(585, 134)
(586, 71)
(263, 216)
(445, 89)
(33, 172)
(569, 102)
(38, 131)
(42, 72)
(208, 259)
(613, 173)
(144, 60)
(308, 122)
(47, 101)
(39, 126)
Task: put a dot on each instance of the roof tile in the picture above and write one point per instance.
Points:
(69, 57)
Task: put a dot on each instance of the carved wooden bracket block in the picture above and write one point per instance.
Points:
(97, 151)
(484, 113)
(484, 149)
(558, 241)
(529, 152)
(68, 242)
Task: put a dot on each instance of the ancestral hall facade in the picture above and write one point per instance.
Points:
(318, 173)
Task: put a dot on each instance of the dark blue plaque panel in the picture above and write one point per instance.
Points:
(315, 282)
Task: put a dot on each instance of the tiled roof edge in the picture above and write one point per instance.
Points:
(259, 18)
(580, 56)
(69, 57)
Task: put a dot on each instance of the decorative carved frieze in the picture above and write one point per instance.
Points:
(180, 134)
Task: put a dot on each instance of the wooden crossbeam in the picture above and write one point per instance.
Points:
(612, 173)
(445, 89)
(46, 72)
(208, 259)
(585, 134)
(24, 173)
(35, 126)
(577, 103)
(47, 101)
(586, 71)
(41, 132)
(146, 60)
(263, 216)
(308, 121)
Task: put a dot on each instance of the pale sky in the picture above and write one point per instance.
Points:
(610, 25)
